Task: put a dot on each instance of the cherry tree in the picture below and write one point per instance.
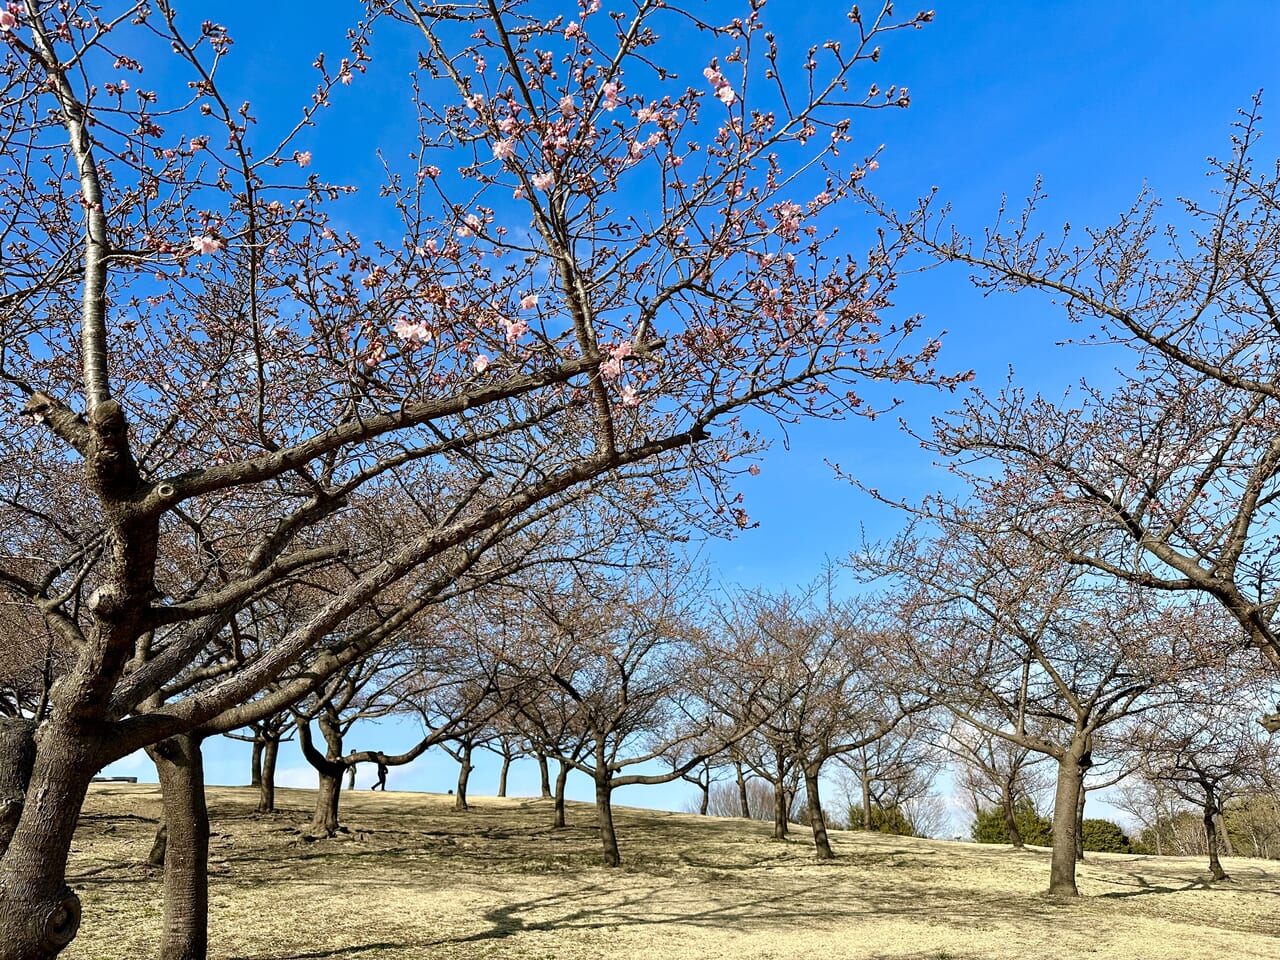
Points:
(595, 265)
(1175, 471)
(1022, 647)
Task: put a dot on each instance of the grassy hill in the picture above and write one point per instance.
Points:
(415, 880)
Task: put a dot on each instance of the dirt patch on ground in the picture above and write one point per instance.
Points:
(414, 879)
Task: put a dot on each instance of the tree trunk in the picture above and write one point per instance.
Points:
(1009, 808)
(186, 860)
(865, 778)
(502, 775)
(816, 820)
(779, 810)
(545, 775)
(267, 788)
(562, 777)
(39, 914)
(159, 845)
(324, 821)
(255, 758)
(744, 800)
(604, 813)
(1079, 838)
(1062, 867)
(464, 774)
(705, 805)
(1211, 835)
(17, 758)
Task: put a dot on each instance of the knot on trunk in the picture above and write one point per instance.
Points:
(56, 926)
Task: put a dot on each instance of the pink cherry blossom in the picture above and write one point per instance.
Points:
(303, 157)
(480, 364)
(206, 244)
(529, 301)
(726, 95)
(624, 349)
(544, 181)
(629, 397)
(753, 470)
(611, 369)
(504, 149)
(7, 20)
(568, 106)
(415, 333)
(610, 91)
(515, 329)
(572, 30)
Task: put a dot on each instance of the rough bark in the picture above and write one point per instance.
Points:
(1062, 865)
(705, 804)
(604, 813)
(1079, 838)
(180, 764)
(821, 842)
(562, 777)
(39, 914)
(17, 758)
(324, 821)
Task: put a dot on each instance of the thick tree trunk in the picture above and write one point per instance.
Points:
(267, 788)
(545, 775)
(562, 778)
(464, 774)
(1211, 835)
(744, 799)
(1079, 838)
(502, 775)
(1010, 810)
(325, 822)
(255, 759)
(39, 915)
(351, 776)
(865, 779)
(1062, 866)
(705, 804)
(17, 758)
(604, 813)
(821, 842)
(779, 810)
(186, 860)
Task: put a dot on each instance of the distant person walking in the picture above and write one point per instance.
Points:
(382, 777)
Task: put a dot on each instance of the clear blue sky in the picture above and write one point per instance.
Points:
(1097, 97)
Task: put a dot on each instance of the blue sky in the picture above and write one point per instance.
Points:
(1096, 97)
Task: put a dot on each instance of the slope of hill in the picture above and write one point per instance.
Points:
(413, 879)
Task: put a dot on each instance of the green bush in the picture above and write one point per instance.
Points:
(990, 827)
(1103, 836)
(892, 820)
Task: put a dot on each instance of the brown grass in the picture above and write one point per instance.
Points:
(413, 879)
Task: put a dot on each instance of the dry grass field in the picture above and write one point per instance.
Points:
(415, 880)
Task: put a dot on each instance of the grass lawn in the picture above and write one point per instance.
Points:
(413, 879)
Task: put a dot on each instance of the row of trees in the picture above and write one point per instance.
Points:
(261, 472)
